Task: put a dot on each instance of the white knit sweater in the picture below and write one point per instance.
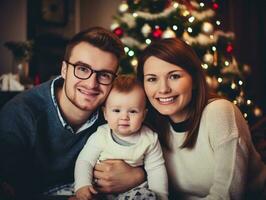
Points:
(146, 151)
(223, 164)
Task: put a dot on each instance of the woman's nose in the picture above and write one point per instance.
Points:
(164, 87)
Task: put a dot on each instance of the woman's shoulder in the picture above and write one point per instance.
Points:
(219, 105)
(222, 111)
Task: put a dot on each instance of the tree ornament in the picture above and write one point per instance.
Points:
(114, 26)
(215, 58)
(232, 68)
(208, 58)
(118, 31)
(207, 28)
(215, 6)
(168, 33)
(229, 48)
(257, 112)
(146, 30)
(123, 7)
(246, 69)
(240, 100)
(157, 32)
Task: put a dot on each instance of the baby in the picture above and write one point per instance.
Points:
(126, 138)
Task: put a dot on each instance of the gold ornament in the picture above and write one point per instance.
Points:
(207, 28)
(257, 112)
(146, 30)
(123, 7)
(208, 58)
(168, 33)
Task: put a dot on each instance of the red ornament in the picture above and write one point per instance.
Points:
(37, 79)
(157, 33)
(119, 31)
(215, 6)
(229, 48)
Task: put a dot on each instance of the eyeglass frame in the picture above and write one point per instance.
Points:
(92, 71)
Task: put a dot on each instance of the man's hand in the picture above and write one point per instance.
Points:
(114, 176)
(85, 193)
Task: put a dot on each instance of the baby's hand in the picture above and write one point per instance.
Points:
(85, 193)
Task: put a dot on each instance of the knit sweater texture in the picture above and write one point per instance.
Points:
(36, 151)
(223, 163)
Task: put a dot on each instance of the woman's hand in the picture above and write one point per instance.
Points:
(113, 176)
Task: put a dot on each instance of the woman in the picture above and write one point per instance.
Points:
(208, 149)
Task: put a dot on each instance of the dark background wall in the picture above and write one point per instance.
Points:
(19, 21)
(247, 19)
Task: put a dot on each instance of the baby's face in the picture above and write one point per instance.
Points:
(125, 112)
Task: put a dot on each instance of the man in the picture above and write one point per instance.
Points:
(43, 129)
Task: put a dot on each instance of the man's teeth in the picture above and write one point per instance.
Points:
(166, 99)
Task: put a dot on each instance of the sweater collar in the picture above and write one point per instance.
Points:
(180, 126)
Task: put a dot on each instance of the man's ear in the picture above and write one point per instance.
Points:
(64, 69)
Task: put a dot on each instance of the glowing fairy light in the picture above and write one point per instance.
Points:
(148, 41)
(175, 27)
(131, 53)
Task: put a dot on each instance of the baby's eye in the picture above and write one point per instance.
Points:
(116, 110)
(175, 76)
(133, 111)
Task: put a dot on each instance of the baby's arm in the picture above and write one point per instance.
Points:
(84, 167)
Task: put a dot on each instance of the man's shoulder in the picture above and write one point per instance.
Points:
(29, 100)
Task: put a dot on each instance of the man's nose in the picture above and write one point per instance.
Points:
(92, 82)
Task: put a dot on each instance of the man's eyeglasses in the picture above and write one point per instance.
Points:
(83, 71)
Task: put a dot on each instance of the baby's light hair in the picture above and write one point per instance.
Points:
(125, 83)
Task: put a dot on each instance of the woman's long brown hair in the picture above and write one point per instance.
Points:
(177, 52)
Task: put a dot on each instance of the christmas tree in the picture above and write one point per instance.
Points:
(139, 22)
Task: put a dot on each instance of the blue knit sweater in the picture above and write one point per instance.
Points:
(36, 151)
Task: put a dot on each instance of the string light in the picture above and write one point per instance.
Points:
(220, 80)
(233, 86)
(240, 82)
(191, 19)
(148, 41)
(249, 102)
(245, 115)
(186, 13)
(126, 49)
(131, 53)
(214, 48)
(218, 22)
(226, 63)
(134, 62)
(189, 29)
(175, 27)
(201, 4)
(204, 66)
(175, 5)
(135, 14)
